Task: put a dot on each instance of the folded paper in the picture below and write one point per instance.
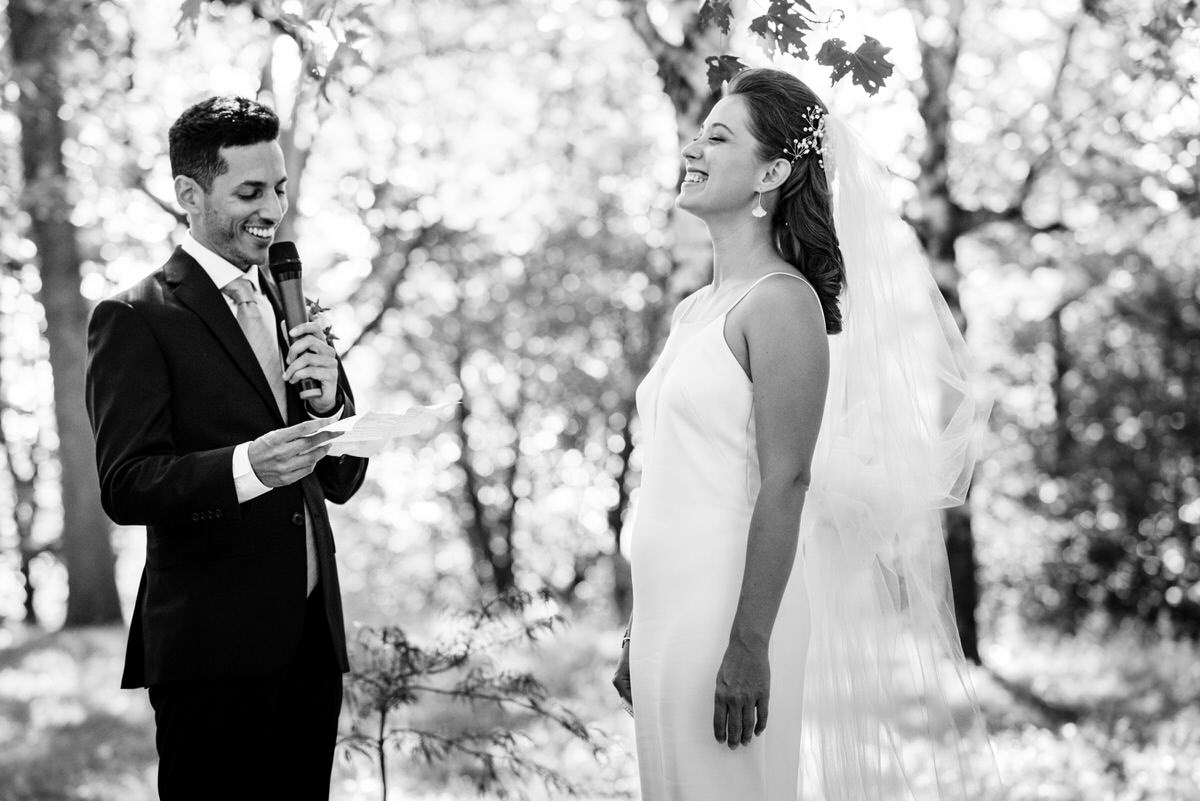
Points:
(371, 433)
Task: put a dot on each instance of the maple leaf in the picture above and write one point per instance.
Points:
(782, 28)
(868, 64)
(293, 21)
(189, 17)
(716, 12)
(833, 54)
(346, 55)
(721, 69)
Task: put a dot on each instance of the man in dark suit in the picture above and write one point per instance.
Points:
(203, 437)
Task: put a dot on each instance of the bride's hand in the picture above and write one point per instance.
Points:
(621, 677)
(743, 690)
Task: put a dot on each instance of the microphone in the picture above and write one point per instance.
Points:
(285, 269)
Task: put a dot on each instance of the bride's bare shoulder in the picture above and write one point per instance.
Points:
(779, 296)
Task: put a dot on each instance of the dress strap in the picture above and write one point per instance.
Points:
(750, 288)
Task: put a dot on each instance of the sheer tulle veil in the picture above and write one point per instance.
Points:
(889, 704)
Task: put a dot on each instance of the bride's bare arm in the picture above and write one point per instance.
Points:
(778, 335)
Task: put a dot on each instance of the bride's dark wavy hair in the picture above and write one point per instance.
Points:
(802, 222)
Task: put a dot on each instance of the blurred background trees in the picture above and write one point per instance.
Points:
(482, 194)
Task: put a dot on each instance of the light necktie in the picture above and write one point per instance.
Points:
(260, 337)
(266, 349)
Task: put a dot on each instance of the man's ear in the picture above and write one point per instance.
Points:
(188, 193)
(774, 175)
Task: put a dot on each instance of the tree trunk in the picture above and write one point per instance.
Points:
(23, 472)
(25, 512)
(492, 566)
(622, 591)
(38, 32)
(685, 83)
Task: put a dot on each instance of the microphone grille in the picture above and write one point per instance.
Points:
(284, 257)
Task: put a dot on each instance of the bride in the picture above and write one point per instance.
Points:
(791, 622)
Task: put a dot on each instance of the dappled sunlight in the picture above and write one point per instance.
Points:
(68, 730)
(1071, 718)
(483, 196)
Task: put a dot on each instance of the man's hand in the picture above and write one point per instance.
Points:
(286, 455)
(310, 356)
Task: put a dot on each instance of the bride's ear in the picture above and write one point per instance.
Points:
(774, 175)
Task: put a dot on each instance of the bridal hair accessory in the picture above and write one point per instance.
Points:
(758, 210)
(813, 120)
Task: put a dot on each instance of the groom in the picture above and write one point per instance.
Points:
(202, 436)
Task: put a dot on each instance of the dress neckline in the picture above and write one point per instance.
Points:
(740, 297)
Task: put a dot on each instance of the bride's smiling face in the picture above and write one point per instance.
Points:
(722, 165)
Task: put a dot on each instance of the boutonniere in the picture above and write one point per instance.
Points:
(316, 313)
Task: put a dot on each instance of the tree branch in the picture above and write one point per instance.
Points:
(477, 529)
(676, 63)
(1015, 212)
(390, 288)
(977, 218)
(169, 208)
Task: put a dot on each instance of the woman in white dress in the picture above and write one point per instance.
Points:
(788, 571)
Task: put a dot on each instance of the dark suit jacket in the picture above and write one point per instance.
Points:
(172, 388)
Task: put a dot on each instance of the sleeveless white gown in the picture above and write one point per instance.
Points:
(688, 541)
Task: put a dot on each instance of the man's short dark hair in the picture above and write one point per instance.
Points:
(198, 135)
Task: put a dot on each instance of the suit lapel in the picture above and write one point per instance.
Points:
(194, 289)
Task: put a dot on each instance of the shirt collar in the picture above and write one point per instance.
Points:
(219, 270)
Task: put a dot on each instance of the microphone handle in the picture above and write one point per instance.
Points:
(295, 313)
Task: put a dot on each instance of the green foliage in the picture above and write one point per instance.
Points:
(348, 25)
(189, 17)
(868, 65)
(1100, 714)
(721, 69)
(1096, 422)
(1119, 461)
(1072, 718)
(393, 673)
(783, 30)
(718, 13)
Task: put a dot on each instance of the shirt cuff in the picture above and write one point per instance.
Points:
(245, 481)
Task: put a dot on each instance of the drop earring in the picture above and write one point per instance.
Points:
(758, 210)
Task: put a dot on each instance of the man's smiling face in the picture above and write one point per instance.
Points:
(238, 216)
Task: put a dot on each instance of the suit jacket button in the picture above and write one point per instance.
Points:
(298, 518)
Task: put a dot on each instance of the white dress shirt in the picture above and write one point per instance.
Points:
(223, 273)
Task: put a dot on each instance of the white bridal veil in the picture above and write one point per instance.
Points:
(888, 698)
